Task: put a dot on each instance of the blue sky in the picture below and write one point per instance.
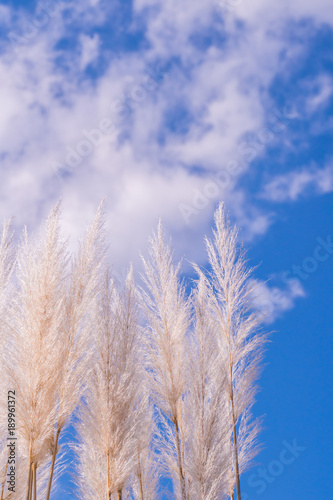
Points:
(167, 108)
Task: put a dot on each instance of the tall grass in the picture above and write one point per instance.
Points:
(81, 291)
(36, 318)
(6, 269)
(49, 334)
(110, 419)
(206, 429)
(157, 383)
(168, 316)
(230, 293)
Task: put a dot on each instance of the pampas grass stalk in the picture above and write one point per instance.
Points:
(48, 339)
(110, 420)
(174, 397)
(36, 322)
(81, 292)
(53, 460)
(231, 291)
(144, 482)
(205, 406)
(34, 475)
(3, 482)
(28, 495)
(168, 319)
(7, 261)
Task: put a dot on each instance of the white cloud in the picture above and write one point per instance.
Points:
(273, 301)
(170, 24)
(145, 168)
(5, 14)
(293, 185)
(322, 89)
(89, 49)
